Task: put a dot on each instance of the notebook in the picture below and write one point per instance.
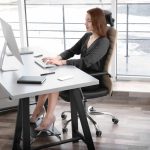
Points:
(31, 79)
(43, 64)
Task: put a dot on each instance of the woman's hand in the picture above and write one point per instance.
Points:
(56, 62)
(46, 59)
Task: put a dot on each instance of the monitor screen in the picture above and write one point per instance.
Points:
(10, 41)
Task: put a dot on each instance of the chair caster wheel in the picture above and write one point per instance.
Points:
(63, 116)
(65, 130)
(98, 133)
(115, 120)
(91, 109)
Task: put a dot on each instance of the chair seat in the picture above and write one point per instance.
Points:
(101, 91)
(88, 92)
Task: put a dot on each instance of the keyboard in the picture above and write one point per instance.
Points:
(43, 64)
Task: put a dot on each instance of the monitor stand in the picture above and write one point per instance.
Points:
(3, 67)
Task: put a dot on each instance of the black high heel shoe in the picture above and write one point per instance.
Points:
(51, 123)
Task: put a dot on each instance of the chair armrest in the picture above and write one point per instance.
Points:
(100, 74)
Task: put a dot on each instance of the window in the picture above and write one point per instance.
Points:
(133, 46)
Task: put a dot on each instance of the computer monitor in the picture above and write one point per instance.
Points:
(10, 41)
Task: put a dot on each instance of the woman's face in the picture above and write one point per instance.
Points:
(88, 23)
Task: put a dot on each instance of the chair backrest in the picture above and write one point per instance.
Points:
(112, 36)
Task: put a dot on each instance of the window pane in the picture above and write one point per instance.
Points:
(9, 13)
(45, 28)
(133, 46)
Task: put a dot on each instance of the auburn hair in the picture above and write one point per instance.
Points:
(98, 21)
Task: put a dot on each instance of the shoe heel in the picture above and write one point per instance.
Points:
(53, 126)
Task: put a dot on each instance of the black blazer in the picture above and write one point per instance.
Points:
(92, 58)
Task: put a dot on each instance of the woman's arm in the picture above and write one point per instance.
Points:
(76, 49)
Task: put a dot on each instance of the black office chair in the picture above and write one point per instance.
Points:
(105, 86)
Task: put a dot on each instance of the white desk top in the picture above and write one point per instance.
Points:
(8, 80)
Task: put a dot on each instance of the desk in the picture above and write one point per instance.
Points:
(22, 92)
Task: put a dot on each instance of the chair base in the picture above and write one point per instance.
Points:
(90, 111)
(93, 111)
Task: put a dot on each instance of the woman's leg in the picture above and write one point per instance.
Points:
(49, 117)
(40, 102)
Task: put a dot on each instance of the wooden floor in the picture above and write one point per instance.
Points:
(131, 133)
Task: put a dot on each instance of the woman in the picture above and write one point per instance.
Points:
(92, 48)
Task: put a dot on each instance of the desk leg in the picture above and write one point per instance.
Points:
(74, 117)
(18, 129)
(77, 106)
(22, 126)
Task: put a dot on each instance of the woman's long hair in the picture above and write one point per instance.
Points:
(98, 21)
